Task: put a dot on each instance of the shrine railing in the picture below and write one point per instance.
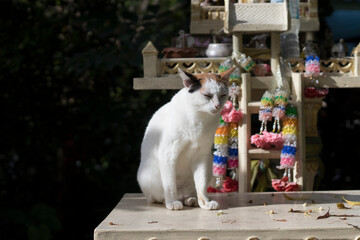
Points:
(212, 13)
(153, 66)
(334, 65)
(193, 65)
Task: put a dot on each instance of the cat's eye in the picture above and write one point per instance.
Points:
(224, 95)
(208, 96)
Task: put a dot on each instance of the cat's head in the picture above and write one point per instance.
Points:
(207, 91)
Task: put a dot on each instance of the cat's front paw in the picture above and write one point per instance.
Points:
(209, 205)
(175, 205)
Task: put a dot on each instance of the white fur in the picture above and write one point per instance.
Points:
(176, 154)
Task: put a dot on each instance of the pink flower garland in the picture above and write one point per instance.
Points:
(229, 185)
(230, 114)
(283, 184)
(268, 140)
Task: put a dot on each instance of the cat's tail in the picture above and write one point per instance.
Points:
(150, 184)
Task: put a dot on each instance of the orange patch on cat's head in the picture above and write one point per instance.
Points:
(222, 78)
(196, 81)
(218, 77)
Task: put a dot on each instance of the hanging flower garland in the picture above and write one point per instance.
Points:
(312, 66)
(266, 107)
(226, 135)
(272, 106)
(313, 71)
(221, 149)
(267, 140)
(288, 153)
(281, 98)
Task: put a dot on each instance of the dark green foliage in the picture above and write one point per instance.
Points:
(71, 125)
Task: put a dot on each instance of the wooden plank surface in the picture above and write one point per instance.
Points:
(330, 80)
(258, 153)
(244, 215)
(173, 81)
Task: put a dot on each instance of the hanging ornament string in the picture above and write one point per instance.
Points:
(313, 71)
(281, 95)
(226, 137)
(281, 98)
(243, 61)
(272, 107)
(290, 136)
(266, 107)
(312, 67)
(221, 150)
(288, 153)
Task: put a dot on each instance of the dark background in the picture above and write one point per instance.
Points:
(71, 124)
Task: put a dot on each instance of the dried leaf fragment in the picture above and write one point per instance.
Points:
(296, 211)
(229, 221)
(352, 203)
(280, 220)
(326, 215)
(307, 213)
(355, 226)
(341, 206)
(111, 223)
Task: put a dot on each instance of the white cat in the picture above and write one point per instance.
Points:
(176, 154)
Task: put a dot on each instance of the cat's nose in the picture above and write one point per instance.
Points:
(217, 106)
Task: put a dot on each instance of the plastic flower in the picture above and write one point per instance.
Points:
(230, 114)
(230, 185)
(278, 185)
(291, 187)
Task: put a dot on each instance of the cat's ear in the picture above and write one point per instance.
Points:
(226, 75)
(189, 80)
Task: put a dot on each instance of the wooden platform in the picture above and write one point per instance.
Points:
(245, 216)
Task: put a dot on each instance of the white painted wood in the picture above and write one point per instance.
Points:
(309, 20)
(275, 51)
(333, 80)
(237, 42)
(134, 219)
(309, 36)
(356, 69)
(309, 24)
(258, 153)
(173, 81)
(244, 132)
(256, 17)
(151, 61)
(201, 25)
(298, 96)
(206, 26)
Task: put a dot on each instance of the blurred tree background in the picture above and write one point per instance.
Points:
(71, 124)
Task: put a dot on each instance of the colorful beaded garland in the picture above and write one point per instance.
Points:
(221, 149)
(288, 153)
(246, 62)
(281, 98)
(289, 131)
(266, 107)
(312, 66)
